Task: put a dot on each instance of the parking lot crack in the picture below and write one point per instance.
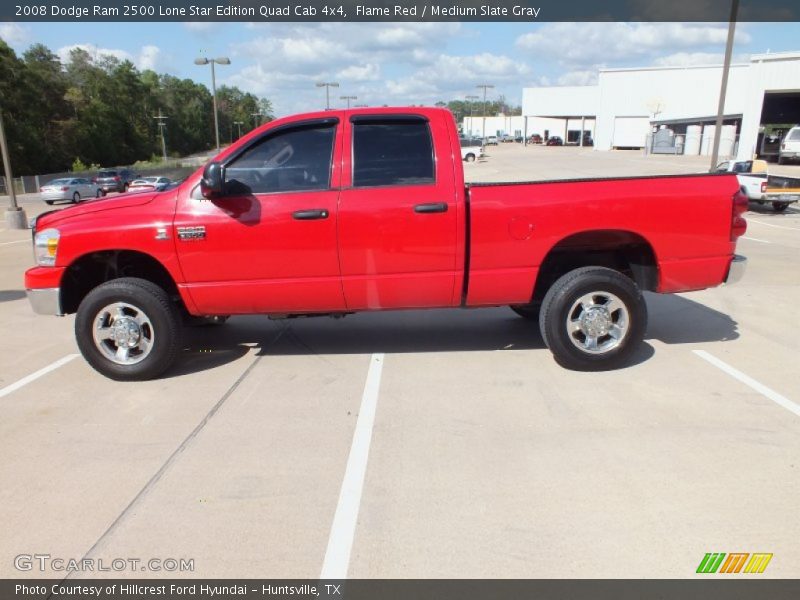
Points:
(151, 483)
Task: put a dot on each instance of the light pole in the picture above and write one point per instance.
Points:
(726, 69)
(161, 126)
(222, 60)
(328, 86)
(239, 123)
(257, 117)
(471, 99)
(348, 98)
(484, 86)
(15, 215)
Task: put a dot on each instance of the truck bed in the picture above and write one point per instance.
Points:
(683, 219)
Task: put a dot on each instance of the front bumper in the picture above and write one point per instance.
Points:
(43, 286)
(46, 301)
(736, 270)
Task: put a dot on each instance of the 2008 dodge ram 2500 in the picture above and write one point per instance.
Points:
(366, 209)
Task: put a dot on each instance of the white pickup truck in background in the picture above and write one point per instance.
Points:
(471, 149)
(761, 187)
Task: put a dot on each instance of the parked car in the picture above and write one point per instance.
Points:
(506, 138)
(491, 140)
(175, 183)
(790, 146)
(554, 141)
(471, 150)
(115, 180)
(761, 187)
(536, 139)
(306, 235)
(71, 189)
(148, 184)
(519, 139)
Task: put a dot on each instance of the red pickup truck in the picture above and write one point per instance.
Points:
(343, 211)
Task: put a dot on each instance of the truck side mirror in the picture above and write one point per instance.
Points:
(213, 182)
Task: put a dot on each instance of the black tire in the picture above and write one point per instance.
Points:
(163, 320)
(528, 311)
(470, 157)
(780, 206)
(781, 160)
(76, 197)
(557, 307)
(50, 202)
(99, 193)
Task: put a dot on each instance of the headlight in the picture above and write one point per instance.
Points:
(45, 247)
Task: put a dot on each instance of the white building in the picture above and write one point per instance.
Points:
(557, 111)
(627, 105)
(474, 126)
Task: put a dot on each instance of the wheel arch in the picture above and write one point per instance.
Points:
(625, 251)
(92, 269)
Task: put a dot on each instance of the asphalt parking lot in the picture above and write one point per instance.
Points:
(437, 444)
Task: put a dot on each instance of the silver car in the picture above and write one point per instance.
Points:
(71, 189)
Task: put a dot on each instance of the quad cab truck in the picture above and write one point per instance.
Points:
(338, 212)
(759, 186)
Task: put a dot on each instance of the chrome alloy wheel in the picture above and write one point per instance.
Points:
(597, 322)
(123, 333)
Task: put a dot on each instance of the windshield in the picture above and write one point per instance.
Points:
(794, 135)
(107, 174)
(60, 182)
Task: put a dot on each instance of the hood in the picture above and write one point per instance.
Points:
(52, 218)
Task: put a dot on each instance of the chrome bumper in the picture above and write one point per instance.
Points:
(736, 270)
(46, 301)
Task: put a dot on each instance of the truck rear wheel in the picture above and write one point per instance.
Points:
(127, 329)
(470, 157)
(779, 206)
(593, 318)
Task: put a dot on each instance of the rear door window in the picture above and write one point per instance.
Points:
(392, 151)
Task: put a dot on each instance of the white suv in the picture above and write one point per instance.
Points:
(790, 147)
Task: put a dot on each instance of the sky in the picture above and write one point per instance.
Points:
(402, 63)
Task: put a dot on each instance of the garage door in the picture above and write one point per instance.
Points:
(631, 132)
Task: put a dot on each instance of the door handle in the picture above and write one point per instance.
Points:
(310, 214)
(431, 207)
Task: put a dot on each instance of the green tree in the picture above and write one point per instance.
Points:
(101, 111)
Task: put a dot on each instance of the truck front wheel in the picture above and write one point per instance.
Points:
(127, 329)
(593, 318)
(780, 206)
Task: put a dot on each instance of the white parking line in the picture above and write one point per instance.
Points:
(750, 382)
(17, 242)
(752, 239)
(340, 541)
(773, 225)
(34, 376)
